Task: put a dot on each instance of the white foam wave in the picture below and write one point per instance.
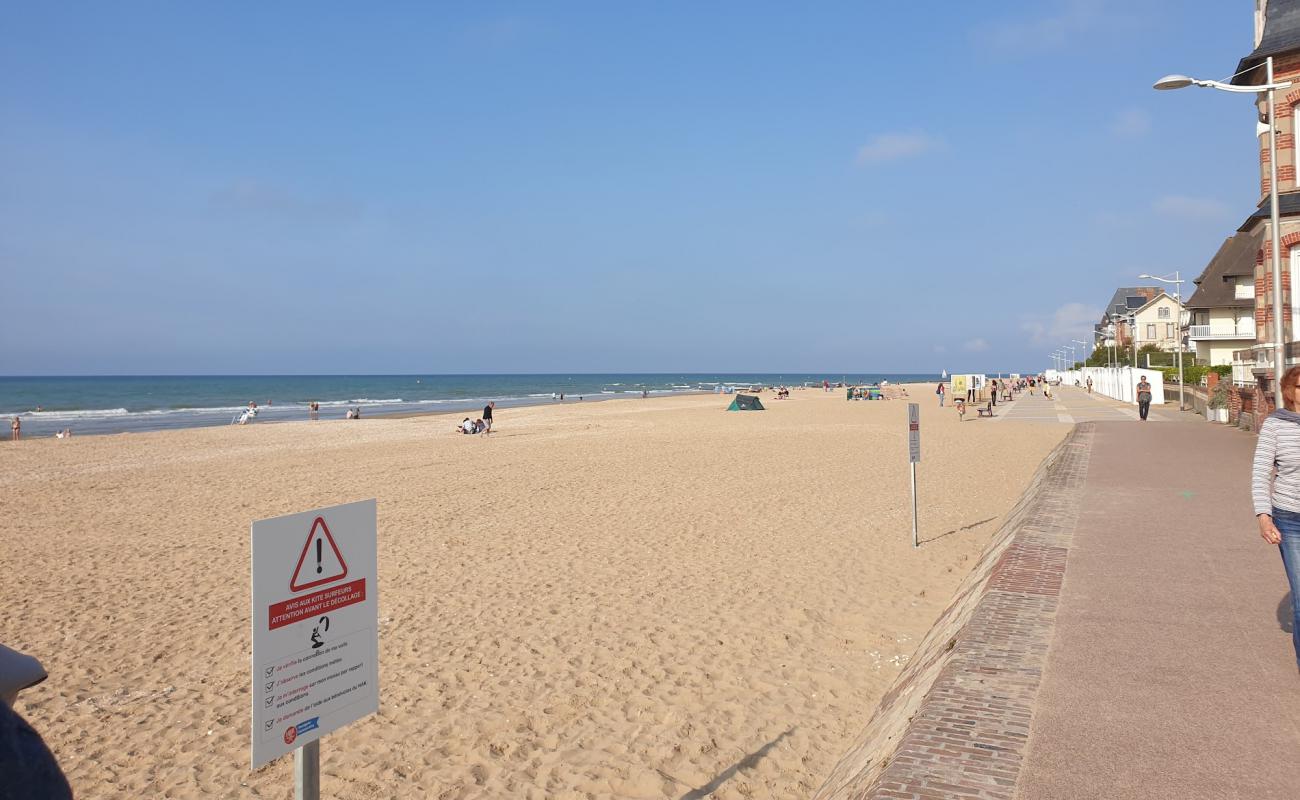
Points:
(78, 414)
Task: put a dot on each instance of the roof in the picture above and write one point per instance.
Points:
(1129, 298)
(1281, 35)
(1215, 288)
(1288, 204)
(1162, 295)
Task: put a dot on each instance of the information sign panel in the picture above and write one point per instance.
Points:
(315, 664)
(914, 433)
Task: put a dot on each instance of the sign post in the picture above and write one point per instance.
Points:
(315, 660)
(913, 456)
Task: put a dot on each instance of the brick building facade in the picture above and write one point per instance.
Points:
(1277, 35)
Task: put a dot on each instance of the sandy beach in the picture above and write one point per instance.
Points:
(635, 598)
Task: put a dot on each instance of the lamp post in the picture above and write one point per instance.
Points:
(1271, 87)
(1082, 346)
(1178, 298)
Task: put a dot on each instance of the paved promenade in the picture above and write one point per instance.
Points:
(1127, 638)
(1069, 404)
(1170, 674)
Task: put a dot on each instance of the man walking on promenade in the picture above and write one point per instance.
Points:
(487, 416)
(1089, 384)
(1144, 398)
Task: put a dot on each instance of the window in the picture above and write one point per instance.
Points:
(1245, 288)
(1163, 313)
(1295, 311)
(1151, 331)
(1169, 330)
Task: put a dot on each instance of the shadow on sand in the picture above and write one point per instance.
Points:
(971, 526)
(748, 762)
(1284, 619)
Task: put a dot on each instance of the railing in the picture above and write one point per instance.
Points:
(1204, 332)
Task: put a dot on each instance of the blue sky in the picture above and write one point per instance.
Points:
(585, 187)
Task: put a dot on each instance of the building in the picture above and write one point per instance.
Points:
(1157, 323)
(1277, 35)
(1115, 325)
(1221, 309)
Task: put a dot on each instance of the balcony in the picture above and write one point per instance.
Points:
(1204, 332)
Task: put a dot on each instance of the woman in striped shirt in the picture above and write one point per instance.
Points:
(1275, 489)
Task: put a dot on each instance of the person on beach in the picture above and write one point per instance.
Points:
(1275, 489)
(941, 390)
(313, 410)
(1144, 398)
(960, 404)
(16, 429)
(487, 416)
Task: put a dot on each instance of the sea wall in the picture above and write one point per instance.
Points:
(956, 722)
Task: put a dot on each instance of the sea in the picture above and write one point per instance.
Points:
(122, 404)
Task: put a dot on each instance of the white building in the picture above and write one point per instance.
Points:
(1222, 309)
(1157, 323)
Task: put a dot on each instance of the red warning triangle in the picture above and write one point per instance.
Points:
(321, 557)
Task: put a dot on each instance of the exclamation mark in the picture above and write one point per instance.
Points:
(318, 566)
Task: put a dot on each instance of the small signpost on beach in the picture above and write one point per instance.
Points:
(914, 456)
(315, 661)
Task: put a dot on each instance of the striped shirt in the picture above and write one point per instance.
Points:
(1277, 462)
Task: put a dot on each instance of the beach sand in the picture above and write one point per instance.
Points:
(635, 598)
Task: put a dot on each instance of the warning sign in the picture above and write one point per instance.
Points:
(329, 564)
(315, 661)
(914, 433)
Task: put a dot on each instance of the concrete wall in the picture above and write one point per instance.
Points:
(1120, 384)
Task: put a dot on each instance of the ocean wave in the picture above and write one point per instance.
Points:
(70, 414)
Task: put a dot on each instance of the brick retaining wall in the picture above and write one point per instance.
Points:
(955, 724)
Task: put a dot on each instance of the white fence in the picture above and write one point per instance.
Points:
(1119, 383)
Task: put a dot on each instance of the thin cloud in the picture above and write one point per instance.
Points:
(1133, 123)
(501, 33)
(1195, 209)
(976, 345)
(1069, 321)
(1068, 21)
(886, 147)
(252, 198)
(940, 349)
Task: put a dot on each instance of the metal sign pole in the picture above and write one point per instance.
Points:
(915, 541)
(306, 771)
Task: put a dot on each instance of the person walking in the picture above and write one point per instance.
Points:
(1144, 398)
(941, 390)
(487, 416)
(1275, 489)
(1089, 384)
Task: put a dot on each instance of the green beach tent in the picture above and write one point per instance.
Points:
(745, 402)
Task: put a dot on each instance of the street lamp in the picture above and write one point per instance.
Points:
(1271, 87)
(1178, 298)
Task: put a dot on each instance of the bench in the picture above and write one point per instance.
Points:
(987, 410)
